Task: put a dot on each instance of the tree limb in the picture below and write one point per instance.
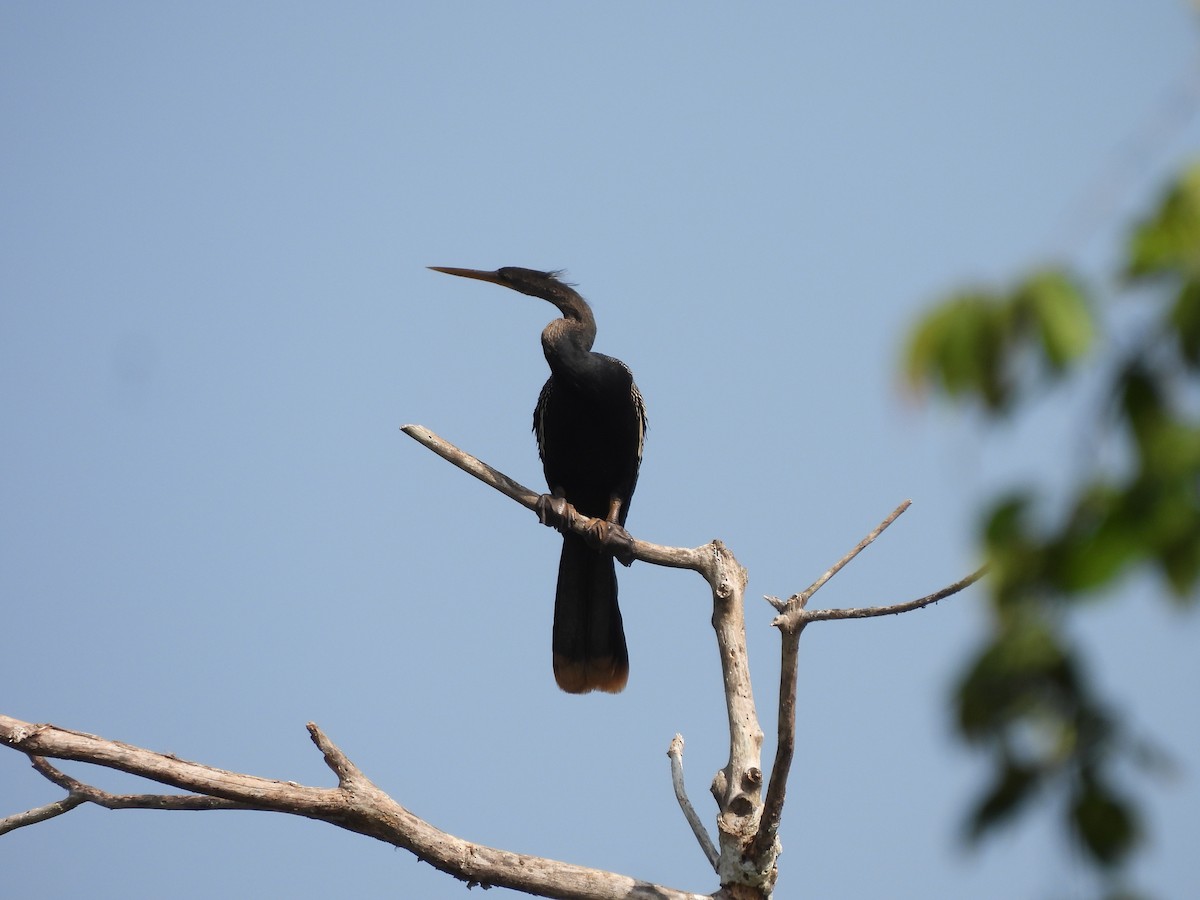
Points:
(673, 557)
(737, 788)
(802, 598)
(868, 612)
(40, 813)
(675, 752)
(355, 805)
(791, 623)
(748, 846)
(79, 793)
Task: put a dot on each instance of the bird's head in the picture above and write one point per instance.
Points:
(546, 285)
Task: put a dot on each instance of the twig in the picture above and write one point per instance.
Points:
(675, 752)
(867, 612)
(40, 814)
(803, 597)
(347, 772)
(791, 622)
(472, 466)
(90, 794)
(79, 793)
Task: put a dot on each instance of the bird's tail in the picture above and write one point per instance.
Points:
(589, 640)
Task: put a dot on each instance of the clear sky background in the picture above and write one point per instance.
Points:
(215, 316)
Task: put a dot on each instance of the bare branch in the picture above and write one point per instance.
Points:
(40, 814)
(61, 743)
(347, 772)
(785, 744)
(673, 557)
(792, 620)
(867, 612)
(792, 623)
(737, 787)
(675, 752)
(79, 793)
(90, 794)
(472, 466)
(802, 598)
(747, 847)
(357, 806)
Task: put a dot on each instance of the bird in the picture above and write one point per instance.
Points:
(590, 425)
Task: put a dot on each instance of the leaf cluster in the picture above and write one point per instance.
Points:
(976, 344)
(1026, 697)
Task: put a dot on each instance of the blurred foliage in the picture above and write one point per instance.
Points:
(976, 343)
(1026, 699)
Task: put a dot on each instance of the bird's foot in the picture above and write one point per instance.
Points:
(555, 512)
(599, 533)
(596, 533)
(611, 537)
(620, 544)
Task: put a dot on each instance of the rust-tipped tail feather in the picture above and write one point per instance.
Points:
(589, 639)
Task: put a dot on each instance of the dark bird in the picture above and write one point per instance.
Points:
(590, 423)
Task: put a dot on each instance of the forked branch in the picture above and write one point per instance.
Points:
(355, 805)
(738, 786)
(792, 619)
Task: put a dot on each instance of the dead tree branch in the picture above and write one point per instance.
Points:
(698, 559)
(747, 824)
(675, 752)
(738, 786)
(869, 612)
(791, 622)
(79, 793)
(355, 805)
(747, 847)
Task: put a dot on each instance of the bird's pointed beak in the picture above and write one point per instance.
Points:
(478, 274)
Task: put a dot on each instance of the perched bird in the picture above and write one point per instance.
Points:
(590, 423)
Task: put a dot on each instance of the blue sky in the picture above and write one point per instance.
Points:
(217, 315)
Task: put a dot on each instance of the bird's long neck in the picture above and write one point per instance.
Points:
(567, 342)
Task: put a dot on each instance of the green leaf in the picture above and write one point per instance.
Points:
(1014, 554)
(1142, 402)
(1025, 696)
(1014, 786)
(1060, 314)
(1181, 565)
(1104, 822)
(1007, 523)
(1185, 319)
(1168, 243)
(959, 346)
(1024, 670)
(1095, 545)
(1173, 531)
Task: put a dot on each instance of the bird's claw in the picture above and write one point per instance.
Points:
(599, 533)
(611, 537)
(620, 544)
(555, 512)
(596, 533)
